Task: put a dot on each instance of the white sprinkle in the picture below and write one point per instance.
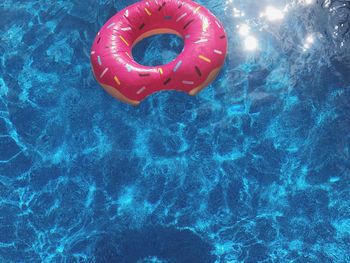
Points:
(201, 40)
(177, 66)
(111, 25)
(126, 28)
(99, 60)
(93, 52)
(104, 72)
(216, 22)
(218, 51)
(180, 17)
(187, 82)
(128, 67)
(141, 90)
(127, 13)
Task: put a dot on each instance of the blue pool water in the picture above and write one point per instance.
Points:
(256, 168)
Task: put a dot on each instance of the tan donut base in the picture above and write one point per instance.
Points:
(118, 95)
(212, 75)
(155, 32)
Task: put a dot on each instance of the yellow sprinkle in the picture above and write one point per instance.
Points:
(126, 42)
(205, 58)
(147, 11)
(160, 70)
(205, 24)
(116, 80)
(196, 10)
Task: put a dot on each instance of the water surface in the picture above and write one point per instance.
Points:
(256, 168)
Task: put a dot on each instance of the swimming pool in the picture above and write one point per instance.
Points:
(254, 168)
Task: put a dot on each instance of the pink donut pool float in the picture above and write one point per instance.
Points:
(203, 55)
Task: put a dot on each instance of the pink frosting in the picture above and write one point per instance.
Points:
(205, 47)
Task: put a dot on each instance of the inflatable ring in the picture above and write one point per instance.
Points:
(205, 47)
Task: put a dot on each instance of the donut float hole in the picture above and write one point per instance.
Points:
(159, 49)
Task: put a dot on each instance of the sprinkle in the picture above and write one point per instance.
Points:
(93, 52)
(99, 60)
(187, 36)
(126, 42)
(148, 12)
(201, 40)
(144, 75)
(104, 72)
(160, 71)
(204, 58)
(117, 80)
(223, 36)
(98, 40)
(167, 81)
(188, 23)
(168, 17)
(217, 23)
(126, 28)
(179, 6)
(217, 51)
(127, 13)
(141, 90)
(205, 25)
(111, 25)
(142, 26)
(128, 67)
(187, 82)
(180, 17)
(198, 71)
(177, 66)
(196, 10)
(160, 8)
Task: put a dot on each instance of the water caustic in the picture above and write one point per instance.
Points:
(255, 168)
